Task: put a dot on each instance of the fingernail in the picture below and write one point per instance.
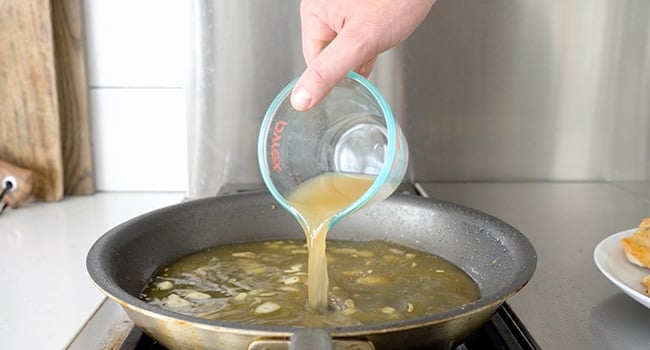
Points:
(300, 99)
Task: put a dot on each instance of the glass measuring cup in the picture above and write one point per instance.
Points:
(352, 131)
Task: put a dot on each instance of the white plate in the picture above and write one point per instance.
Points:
(611, 261)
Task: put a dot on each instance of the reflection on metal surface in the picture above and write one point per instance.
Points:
(243, 53)
(497, 90)
(526, 90)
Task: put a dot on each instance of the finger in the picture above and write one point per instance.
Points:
(316, 34)
(342, 55)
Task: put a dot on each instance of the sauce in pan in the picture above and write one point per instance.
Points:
(266, 283)
(287, 283)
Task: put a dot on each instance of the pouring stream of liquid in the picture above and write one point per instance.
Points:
(318, 200)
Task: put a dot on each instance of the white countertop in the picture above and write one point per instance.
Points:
(568, 303)
(46, 295)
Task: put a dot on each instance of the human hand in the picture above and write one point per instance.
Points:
(339, 36)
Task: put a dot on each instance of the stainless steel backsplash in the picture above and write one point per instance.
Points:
(498, 90)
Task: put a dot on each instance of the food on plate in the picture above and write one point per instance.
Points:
(265, 283)
(637, 246)
(637, 249)
(645, 281)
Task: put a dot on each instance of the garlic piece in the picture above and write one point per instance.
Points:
(290, 280)
(240, 297)
(372, 280)
(246, 255)
(365, 253)
(197, 295)
(267, 307)
(164, 285)
(395, 251)
(174, 301)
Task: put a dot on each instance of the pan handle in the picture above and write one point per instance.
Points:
(308, 339)
(311, 338)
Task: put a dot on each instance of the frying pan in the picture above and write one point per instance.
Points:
(497, 256)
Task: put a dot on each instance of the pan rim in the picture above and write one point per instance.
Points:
(114, 291)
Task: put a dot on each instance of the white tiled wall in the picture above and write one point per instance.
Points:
(137, 53)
